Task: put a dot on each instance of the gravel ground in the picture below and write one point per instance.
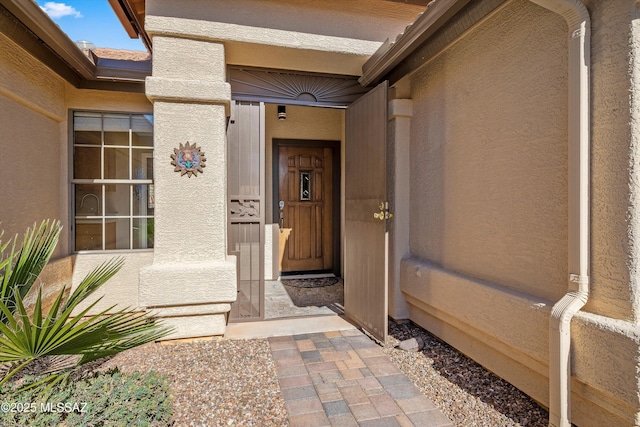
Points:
(233, 382)
(214, 383)
(465, 392)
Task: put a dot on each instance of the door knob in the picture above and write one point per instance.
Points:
(384, 213)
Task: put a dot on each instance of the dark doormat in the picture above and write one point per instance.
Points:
(324, 292)
(318, 282)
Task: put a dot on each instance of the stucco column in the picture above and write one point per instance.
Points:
(400, 112)
(192, 281)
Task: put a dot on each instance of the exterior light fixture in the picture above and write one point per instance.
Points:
(282, 112)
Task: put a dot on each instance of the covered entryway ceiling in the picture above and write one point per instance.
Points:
(294, 88)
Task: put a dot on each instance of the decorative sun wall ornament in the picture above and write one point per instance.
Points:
(188, 159)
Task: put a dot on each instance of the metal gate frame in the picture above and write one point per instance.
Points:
(246, 201)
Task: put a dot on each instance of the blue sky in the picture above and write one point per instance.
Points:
(91, 20)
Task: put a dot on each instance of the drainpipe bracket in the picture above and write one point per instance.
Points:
(580, 280)
(577, 33)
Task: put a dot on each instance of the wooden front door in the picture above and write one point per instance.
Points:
(305, 208)
(366, 244)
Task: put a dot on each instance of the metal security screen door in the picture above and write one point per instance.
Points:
(366, 248)
(246, 195)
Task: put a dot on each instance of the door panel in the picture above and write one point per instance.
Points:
(305, 187)
(246, 195)
(366, 244)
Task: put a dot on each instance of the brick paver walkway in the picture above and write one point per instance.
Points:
(345, 379)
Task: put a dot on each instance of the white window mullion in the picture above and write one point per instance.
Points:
(102, 212)
(130, 216)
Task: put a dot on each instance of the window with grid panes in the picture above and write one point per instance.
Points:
(112, 181)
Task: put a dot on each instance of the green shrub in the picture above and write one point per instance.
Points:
(30, 334)
(106, 399)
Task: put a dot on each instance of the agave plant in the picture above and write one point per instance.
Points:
(27, 334)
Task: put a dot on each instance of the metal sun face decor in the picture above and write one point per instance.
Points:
(188, 159)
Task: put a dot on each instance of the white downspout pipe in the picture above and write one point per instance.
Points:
(577, 18)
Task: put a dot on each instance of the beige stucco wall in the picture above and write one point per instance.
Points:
(490, 145)
(614, 193)
(34, 178)
(32, 120)
(311, 123)
(101, 100)
(488, 205)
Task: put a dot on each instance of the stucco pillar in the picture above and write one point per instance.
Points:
(400, 112)
(192, 281)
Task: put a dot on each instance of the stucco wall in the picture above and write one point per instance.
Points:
(101, 100)
(489, 143)
(121, 289)
(489, 204)
(34, 105)
(31, 123)
(614, 188)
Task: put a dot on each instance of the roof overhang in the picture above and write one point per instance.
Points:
(131, 14)
(444, 22)
(28, 25)
(36, 22)
(390, 54)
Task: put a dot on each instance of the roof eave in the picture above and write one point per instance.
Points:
(124, 18)
(34, 18)
(121, 69)
(131, 19)
(389, 55)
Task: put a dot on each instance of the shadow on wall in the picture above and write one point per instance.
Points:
(55, 276)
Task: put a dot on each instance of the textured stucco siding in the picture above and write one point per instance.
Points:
(489, 203)
(29, 82)
(489, 145)
(614, 188)
(34, 167)
(29, 168)
(122, 289)
(31, 125)
(101, 100)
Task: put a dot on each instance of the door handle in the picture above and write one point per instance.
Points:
(281, 219)
(384, 213)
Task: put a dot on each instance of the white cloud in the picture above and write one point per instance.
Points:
(58, 10)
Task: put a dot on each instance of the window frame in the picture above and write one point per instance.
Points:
(104, 183)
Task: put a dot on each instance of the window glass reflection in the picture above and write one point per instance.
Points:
(117, 198)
